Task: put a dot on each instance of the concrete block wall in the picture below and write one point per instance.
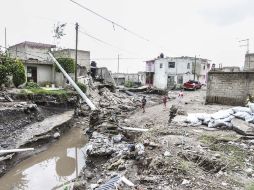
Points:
(229, 88)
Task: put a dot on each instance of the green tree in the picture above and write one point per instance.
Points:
(18, 74)
(67, 64)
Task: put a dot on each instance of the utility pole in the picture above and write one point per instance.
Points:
(76, 53)
(195, 67)
(118, 63)
(117, 69)
(247, 45)
(5, 39)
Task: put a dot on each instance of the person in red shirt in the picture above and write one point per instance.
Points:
(180, 96)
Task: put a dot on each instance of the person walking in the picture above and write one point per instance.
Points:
(180, 96)
(143, 103)
(165, 98)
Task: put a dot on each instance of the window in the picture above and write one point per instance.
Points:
(171, 64)
(188, 66)
(204, 67)
(161, 65)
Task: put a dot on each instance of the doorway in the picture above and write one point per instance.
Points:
(32, 74)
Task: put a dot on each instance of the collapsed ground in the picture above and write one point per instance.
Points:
(174, 156)
(167, 156)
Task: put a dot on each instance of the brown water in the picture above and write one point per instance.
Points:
(60, 163)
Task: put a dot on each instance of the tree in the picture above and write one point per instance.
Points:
(67, 64)
(18, 74)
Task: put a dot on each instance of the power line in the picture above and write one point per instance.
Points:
(104, 42)
(112, 22)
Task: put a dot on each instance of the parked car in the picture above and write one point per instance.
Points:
(192, 85)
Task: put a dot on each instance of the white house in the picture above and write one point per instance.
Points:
(170, 71)
(121, 78)
(38, 65)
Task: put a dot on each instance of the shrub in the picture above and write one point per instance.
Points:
(3, 74)
(82, 87)
(67, 64)
(19, 76)
(128, 84)
(32, 85)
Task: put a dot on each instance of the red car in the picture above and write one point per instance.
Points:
(192, 85)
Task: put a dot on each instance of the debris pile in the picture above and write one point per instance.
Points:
(240, 119)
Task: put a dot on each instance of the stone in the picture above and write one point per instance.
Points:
(93, 186)
(217, 155)
(167, 154)
(242, 127)
(224, 184)
(185, 182)
(89, 175)
(249, 170)
(57, 135)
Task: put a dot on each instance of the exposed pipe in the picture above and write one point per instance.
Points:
(87, 100)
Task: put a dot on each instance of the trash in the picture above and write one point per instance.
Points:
(114, 182)
(135, 129)
(140, 148)
(56, 135)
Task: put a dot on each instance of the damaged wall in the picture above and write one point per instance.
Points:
(230, 88)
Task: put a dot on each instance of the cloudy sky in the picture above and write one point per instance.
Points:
(206, 28)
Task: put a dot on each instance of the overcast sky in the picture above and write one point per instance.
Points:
(207, 28)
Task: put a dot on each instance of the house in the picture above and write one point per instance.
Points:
(40, 68)
(38, 65)
(83, 59)
(136, 78)
(249, 62)
(165, 73)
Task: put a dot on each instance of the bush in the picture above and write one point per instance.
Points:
(19, 76)
(82, 87)
(3, 74)
(67, 64)
(128, 84)
(32, 85)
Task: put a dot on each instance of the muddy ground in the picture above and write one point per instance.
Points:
(175, 156)
(167, 156)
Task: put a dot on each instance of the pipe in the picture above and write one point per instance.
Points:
(15, 150)
(87, 100)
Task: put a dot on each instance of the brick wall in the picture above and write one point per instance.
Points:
(230, 88)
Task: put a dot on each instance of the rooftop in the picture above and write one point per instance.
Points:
(34, 44)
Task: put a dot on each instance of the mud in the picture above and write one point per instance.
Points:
(60, 163)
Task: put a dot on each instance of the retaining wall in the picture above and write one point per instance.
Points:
(229, 88)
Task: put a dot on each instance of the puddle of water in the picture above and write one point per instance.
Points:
(60, 163)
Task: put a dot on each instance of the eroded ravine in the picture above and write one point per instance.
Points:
(60, 163)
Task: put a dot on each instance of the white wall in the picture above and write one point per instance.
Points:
(44, 72)
(41, 54)
(160, 74)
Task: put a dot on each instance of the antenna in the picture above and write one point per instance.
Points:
(246, 44)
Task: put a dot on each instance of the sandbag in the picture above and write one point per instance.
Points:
(251, 107)
(242, 115)
(222, 114)
(241, 109)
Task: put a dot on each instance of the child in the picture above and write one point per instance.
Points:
(143, 103)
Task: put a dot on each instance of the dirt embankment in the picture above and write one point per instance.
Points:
(26, 124)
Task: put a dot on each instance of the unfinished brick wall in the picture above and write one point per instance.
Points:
(229, 88)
